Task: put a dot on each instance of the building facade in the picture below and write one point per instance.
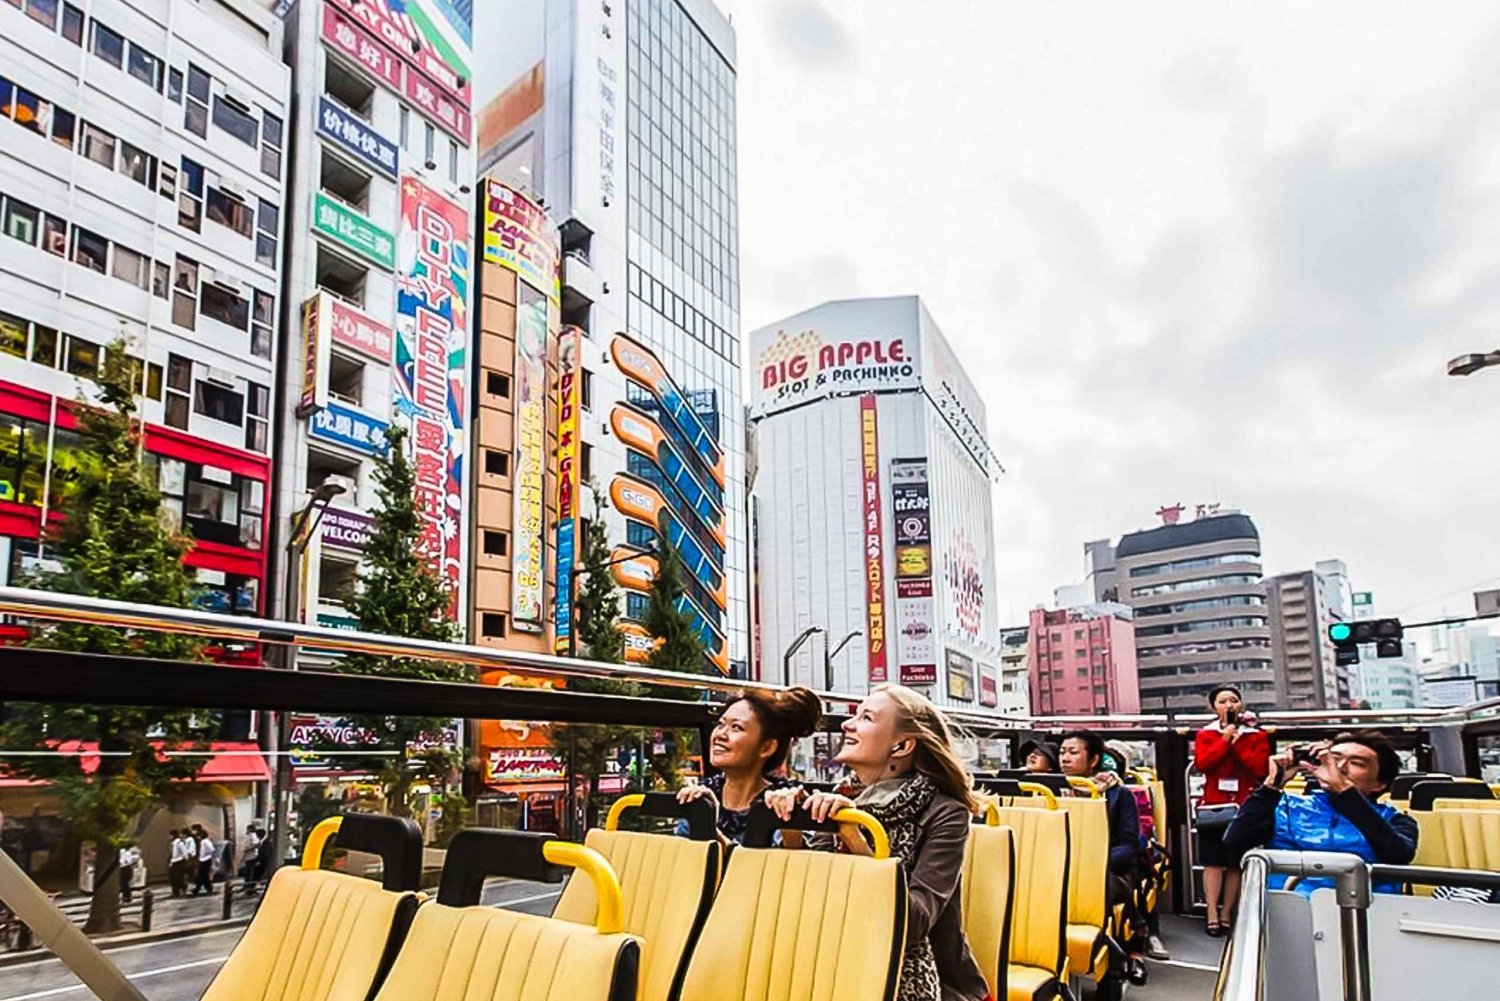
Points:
(1301, 607)
(1391, 683)
(873, 504)
(1200, 611)
(1082, 661)
(1015, 676)
(379, 283)
(619, 118)
(142, 175)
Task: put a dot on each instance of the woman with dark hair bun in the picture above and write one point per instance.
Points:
(748, 750)
(1234, 757)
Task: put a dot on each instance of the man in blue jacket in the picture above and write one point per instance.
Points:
(1341, 814)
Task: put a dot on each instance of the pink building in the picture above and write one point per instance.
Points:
(1082, 661)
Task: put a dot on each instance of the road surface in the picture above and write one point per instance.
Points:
(180, 969)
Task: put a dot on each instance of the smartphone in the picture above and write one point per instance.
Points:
(1307, 755)
(1232, 718)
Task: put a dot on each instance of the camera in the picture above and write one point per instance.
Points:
(1307, 754)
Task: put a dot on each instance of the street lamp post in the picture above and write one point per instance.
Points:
(1470, 363)
(828, 656)
(791, 651)
(578, 572)
(278, 731)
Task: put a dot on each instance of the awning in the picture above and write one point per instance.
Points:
(229, 761)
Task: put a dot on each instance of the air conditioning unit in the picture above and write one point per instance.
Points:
(220, 376)
(232, 190)
(231, 285)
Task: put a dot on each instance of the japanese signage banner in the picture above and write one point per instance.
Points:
(346, 226)
(346, 529)
(353, 329)
(410, 55)
(528, 548)
(569, 348)
(357, 137)
(797, 367)
(519, 237)
(431, 374)
(315, 356)
(989, 690)
(874, 543)
(349, 427)
(916, 637)
(343, 35)
(960, 676)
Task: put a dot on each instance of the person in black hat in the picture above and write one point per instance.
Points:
(1040, 756)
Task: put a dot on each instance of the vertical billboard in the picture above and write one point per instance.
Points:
(528, 551)
(960, 676)
(315, 356)
(874, 540)
(519, 237)
(916, 640)
(569, 349)
(431, 373)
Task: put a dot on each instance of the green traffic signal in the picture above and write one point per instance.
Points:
(1340, 632)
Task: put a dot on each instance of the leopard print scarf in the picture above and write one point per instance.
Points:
(899, 805)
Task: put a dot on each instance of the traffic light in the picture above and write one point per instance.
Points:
(1347, 637)
(1345, 649)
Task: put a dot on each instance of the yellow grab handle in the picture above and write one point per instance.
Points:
(312, 851)
(1087, 785)
(619, 806)
(992, 814)
(860, 818)
(611, 916)
(1037, 789)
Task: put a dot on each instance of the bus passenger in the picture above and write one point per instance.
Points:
(1233, 756)
(1040, 756)
(1340, 815)
(1083, 757)
(748, 749)
(900, 749)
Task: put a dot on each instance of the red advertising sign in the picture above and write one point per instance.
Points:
(397, 30)
(874, 540)
(353, 42)
(354, 329)
(989, 691)
(441, 108)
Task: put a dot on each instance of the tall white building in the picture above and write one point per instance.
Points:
(1015, 678)
(620, 118)
(379, 282)
(872, 503)
(1390, 683)
(142, 167)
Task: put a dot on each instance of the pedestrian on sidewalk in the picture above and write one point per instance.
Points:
(130, 858)
(205, 857)
(251, 856)
(177, 871)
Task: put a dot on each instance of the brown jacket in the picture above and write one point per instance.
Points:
(935, 897)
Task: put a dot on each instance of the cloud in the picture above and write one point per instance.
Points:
(814, 39)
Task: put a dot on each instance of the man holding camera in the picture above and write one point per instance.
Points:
(1340, 815)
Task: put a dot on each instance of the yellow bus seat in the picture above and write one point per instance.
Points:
(1445, 803)
(667, 885)
(989, 875)
(1423, 794)
(1458, 839)
(1088, 868)
(1038, 965)
(328, 936)
(802, 925)
(460, 950)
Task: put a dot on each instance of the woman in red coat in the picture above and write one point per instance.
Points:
(1234, 758)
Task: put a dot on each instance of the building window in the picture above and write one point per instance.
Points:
(64, 127)
(81, 357)
(229, 211)
(262, 320)
(346, 380)
(109, 46)
(224, 305)
(72, 24)
(179, 391)
(190, 196)
(492, 624)
(586, 461)
(405, 127)
(258, 407)
(496, 463)
(21, 221)
(137, 165)
(429, 145)
(13, 335)
(174, 85)
(586, 390)
(44, 344)
(99, 146)
(497, 384)
(235, 118)
(348, 89)
(453, 161)
(145, 67)
(185, 294)
(168, 185)
(496, 543)
(270, 145)
(91, 250)
(195, 112)
(132, 267)
(219, 402)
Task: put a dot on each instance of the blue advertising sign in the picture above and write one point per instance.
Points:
(357, 137)
(348, 427)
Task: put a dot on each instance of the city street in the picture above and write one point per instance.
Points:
(179, 969)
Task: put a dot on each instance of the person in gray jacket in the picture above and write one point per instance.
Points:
(900, 750)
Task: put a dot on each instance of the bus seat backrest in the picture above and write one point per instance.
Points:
(1401, 784)
(1088, 861)
(988, 880)
(1423, 793)
(801, 926)
(667, 884)
(1458, 839)
(1444, 803)
(1039, 918)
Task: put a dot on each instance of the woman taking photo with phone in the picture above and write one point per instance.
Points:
(900, 749)
(1234, 758)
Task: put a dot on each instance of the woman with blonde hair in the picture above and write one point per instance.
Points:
(908, 775)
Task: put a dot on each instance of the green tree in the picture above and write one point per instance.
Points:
(669, 620)
(109, 541)
(596, 612)
(402, 594)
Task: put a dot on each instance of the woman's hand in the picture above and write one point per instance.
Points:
(1282, 766)
(784, 801)
(693, 793)
(1231, 732)
(822, 805)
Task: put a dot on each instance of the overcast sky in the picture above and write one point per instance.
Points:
(1187, 251)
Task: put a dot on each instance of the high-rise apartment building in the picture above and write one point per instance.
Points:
(143, 159)
(619, 118)
(379, 281)
(1082, 661)
(1015, 679)
(1200, 611)
(1301, 608)
(873, 505)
